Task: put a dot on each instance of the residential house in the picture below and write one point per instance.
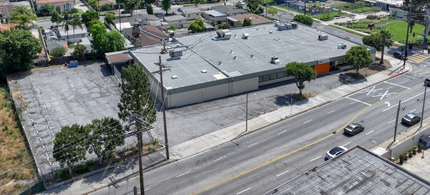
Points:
(144, 38)
(190, 13)
(53, 42)
(256, 19)
(7, 26)
(59, 5)
(214, 17)
(229, 10)
(144, 19)
(176, 20)
(72, 35)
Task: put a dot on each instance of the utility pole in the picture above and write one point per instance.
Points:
(305, 7)
(397, 119)
(166, 143)
(246, 116)
(407, 35)
(139, 124)
(424, 103)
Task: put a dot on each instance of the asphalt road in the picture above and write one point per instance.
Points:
(259, 162)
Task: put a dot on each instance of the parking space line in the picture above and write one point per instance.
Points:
(358, 101)
(396, 84)
(391, 121)
(371, 90)
(243, 191)
(412, 110)
(370, 132)
(316, 158)
(282, 173)
(307, 121)
(346, 144)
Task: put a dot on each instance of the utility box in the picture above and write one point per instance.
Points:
(425, 140)
(322, 37)
(73, 63)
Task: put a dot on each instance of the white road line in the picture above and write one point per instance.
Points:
(412, 110)
(404, 101)
(370, 90)
(316, 158)
(370, 132)
(352, 103)
(282, 132)
(396, 85)
(253, 144)
(307, 121)
(243, 191)
(346, 144)
(335, 110)
(182, 174)
(382, 97)
(358, 101)
(403, 81)
(219, 158)
(147, 189)
(282, 173)
(391, 121)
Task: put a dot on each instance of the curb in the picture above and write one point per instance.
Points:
(398, 74)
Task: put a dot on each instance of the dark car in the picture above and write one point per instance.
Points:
(427, 81)
(411, 119)
(397, 55)
(353, 129)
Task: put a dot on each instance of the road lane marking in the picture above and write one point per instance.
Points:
(316, 158)
(346, 144)
(405, 100)
(382, 97)
(182, 174)
(358, 101)
(282, 132)
(243, 191)
(307, 121)
(371, 90)
(282, 173)
(253, 144)
(294, 151)
(147, 189)
(370, 132)
(219, 158)
(396, 85)
(335, 110)
(412, 110)
(403, 81)
(391, 121)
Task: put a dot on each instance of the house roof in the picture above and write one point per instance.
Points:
(144, 39)
(120, 57)
(7, 26)
(189, 10)
(174, 18)
(214, 13)
(71, 32)
(52, 1)
(256, 19)
(356, 171)
(145, 17)
(228, 9)
(54, 42)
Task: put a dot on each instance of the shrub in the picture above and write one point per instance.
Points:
(63, 174)
(107, 7)
(74, 11)
(59, 51)
(149, 10)
(109, 18)
(372, 17)
(172, 28)
(42, 30)
(420, 146)
(81, 169)
(304, 19)
(401, 158)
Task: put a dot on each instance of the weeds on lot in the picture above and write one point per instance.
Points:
(304, 96)
(16, 162)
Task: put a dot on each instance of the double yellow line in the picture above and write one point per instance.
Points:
(301, 148)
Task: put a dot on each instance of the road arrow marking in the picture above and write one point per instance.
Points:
(388, 103)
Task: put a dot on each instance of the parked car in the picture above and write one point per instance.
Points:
(335, 152)
(411, 119)
(397, 55)
(427, 81)
(353, 129)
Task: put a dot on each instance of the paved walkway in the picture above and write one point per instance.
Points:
(80, 5)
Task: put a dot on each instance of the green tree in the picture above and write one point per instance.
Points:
(59, 51)
(304, 19)
(79, 52)
(70, 145)
(88, 16)
(272, 11)
(23, 16)
(67, 22)
(18, 50)
(76, 22)
(224, 26)
(247, 22)
(107, 134)
(56, 17)
(136, 95)
(90, 24)
(104, 41)
(239, 6)
(114, 41)
(46, 9)
(149, 9)
(359, 57)
(254, 8)
(197, 25)
(92, 3)
(385, 39)
(172, 28)
(301, 73)
(166, 5)
(130, 5)
(109, 18)
(98, 32)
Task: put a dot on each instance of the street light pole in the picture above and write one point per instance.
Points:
(397, 119)
(424, 103)
(246, 115)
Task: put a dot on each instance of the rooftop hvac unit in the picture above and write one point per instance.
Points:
(175, 53)
(282, 27)
(294, 25)
(275, 60)
(322, 37)
(341, 46)
(288, 25)
(245, 35)
(224, 34)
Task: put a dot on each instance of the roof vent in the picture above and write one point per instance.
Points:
(322, 37)
(224, 34)
(275, 60)
(234, 57)
(174, 77)
(204, 71)
(219, 62)
(252, 55)
(341, 46)
(231, 50)
(245, 35)
(270, 32)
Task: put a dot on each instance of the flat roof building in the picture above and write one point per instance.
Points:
(356, 171)
(207, 66)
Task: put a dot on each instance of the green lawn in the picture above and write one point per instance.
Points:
(398, 29)
(80, 11)
(331, 14)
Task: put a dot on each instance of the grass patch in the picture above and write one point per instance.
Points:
(352, 7)
(398, 29)
(345, 30)
(80, 11)
(13, 150)
(304, 96)
(105, 12)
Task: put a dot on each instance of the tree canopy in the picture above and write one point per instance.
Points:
(304, 19)
(254, 8)
(76, 22)
(59, 51)
(18, 49)
(88, 16)
(247, 22)
(56, 17)
(272, 11)
(359, 57)
(109, 18)
(166, 5)
(197, 25)
(301, 73)
(379, 41)
(104, 41)
(79, 52)
(46, 9)
(23, 16)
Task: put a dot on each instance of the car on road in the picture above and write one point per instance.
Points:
(353, 129)
(335, 152)
(411, 119)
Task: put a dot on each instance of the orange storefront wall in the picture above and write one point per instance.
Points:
(322, 68)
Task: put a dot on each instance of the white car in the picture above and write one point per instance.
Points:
(335, 152)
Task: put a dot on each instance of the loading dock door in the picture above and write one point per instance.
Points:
(322, 68)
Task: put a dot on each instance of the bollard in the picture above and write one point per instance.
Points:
(423, 154)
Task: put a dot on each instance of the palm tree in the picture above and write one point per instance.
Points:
(66, 22)
(385, 38)
(22, 16)
(76, 22)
